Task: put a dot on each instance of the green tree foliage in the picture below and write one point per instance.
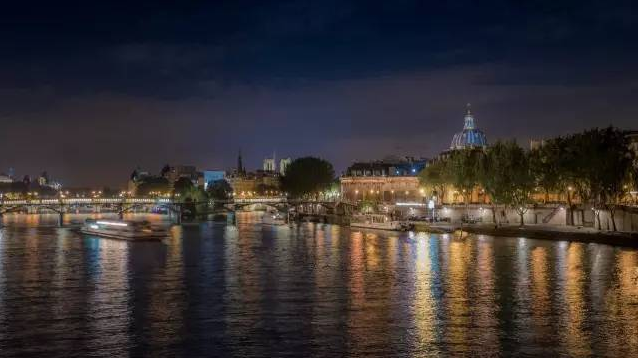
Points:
(464, 168)
(183, 186)
(614, 164)
(219, 190)
(546, 164)
(523, 181)
(506, 176)
(306, 177)
(597, 163)
(194, 199)
(495, 175)
(437, 177)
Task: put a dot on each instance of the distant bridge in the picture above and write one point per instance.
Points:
(124, 205)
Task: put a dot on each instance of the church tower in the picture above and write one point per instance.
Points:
(240, 165)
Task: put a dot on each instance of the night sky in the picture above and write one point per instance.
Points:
(88, 91)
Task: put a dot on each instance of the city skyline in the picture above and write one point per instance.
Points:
(336, 178)
(90, 97)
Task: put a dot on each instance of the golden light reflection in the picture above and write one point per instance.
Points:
(335, 243)
(424, 306)
(391, 259)
(243, 278)
(577, 337)
(457, 299)
(484, 304)
(166, 300)
(541, 298)
(622, 305)
(372, 251)
(357, 339)
(357, 268)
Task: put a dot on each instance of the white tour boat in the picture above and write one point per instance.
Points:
(123, 229)
(379, 222)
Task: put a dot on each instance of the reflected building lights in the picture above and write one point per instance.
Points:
(576, 337)
(425, 310)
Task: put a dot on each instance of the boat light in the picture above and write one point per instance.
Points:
(93, 226)
(112, 223)
(410, 204)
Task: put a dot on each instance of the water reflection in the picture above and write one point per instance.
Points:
(107, 304)
(576, 336)
(311, 290)
(425, 307)
(541, 303)
(483, 301)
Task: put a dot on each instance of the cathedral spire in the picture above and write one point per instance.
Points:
(240, 165)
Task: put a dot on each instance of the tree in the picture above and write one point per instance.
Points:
(595, 164)
(615, 161)
(436, 176)
(545, 164)
(506, 176)
(219, 190)
(182, 186)
(463, 171)
(495, 175)
(194, 199)
(577, 163)
(522, 181)
(306, 177)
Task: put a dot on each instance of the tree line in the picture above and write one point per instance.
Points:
(598, 166)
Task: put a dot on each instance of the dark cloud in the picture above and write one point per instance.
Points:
(89, 90)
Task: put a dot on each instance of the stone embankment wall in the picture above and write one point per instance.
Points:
(626, 217)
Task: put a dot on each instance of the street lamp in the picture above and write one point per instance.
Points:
(431, 207)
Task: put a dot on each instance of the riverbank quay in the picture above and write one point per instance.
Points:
(546, 232)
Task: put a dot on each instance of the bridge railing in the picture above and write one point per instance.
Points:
(70, 201)
(282, 199)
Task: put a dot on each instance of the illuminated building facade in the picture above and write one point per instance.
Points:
(383, 189)
(283, 165)
(269, 165)
(389, 180)
(211, 176)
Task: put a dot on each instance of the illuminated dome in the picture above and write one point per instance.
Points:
(470, 137)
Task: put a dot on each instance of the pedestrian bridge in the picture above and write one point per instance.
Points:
(175, 208)
(157, 201)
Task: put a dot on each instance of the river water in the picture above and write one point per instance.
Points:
(311, 290)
